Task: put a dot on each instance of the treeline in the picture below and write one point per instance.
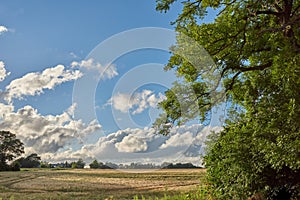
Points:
(80, 164)
(180, 166)
(109, 165)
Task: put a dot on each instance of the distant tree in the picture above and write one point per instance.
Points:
(79, 164)
(45, 164)
(180, 166)
(67, 165)
(10, 148)
(73, 165)
(31, 161)
(94, 165)
(109, 165)
(165, 164)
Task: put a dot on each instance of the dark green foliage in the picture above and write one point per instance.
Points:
(10, 148)
(15, 166)
(180, 166)
(94, 165)
(99, 165)
(45, 164)
(79, 164)
(31, 161)
(256, 49)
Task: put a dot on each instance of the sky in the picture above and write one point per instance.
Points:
(82, 79)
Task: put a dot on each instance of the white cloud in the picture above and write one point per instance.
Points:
(53, 136)
(4, 109)
(136, 103)
(3, 29)
(184, 144)
(178, 139)
(44, 134)
(132, 144)
(3, 72)
(126, 146)
(107, 71)
(49, 134)
(35, 83)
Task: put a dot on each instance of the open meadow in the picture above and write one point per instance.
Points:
(98, 184)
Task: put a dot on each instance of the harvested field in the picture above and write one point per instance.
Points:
(97, 184)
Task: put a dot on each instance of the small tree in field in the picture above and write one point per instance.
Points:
(94, 165)
(10, 148)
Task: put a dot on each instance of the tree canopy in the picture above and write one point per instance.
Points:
(255, 48)
(79, 164)
(10, 148)
(31, 161)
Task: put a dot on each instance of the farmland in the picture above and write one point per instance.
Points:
(98, 184)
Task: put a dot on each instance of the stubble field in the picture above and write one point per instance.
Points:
(98, 184)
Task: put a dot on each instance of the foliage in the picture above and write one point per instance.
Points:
(94, 165)
(79, 164)
(99, 165)
(15, 166)
(31, 161)
(10, 148)
(45, 164)
(179, 166)
(255, 46)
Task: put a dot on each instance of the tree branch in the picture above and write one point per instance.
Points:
(285, 26)
(296, 9)
(277, 7)
(254, 68)
(268, 12)
(226, 7)
(233, 81)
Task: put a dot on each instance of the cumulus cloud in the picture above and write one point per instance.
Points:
(3, 72)
(135, 140)
(104, 71)
(35, 83)
(4, 109)
(44, 134)
(53, 136)
(193, 149)
(178, 139)
(136, 103)
(184, 144)
(132, 144)
(3, 29)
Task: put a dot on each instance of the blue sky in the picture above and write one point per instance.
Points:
(49, 49)
(46, 33)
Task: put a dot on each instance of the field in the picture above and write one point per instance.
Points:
(98, 184)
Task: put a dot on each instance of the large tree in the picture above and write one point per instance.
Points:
(10, 148)
(255, 46)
